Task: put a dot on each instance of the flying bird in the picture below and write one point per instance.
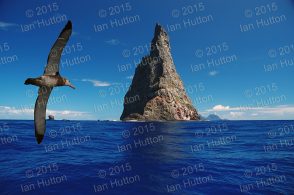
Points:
(51, 78)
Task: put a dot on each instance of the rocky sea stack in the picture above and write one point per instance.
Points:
(51, 117)
(157, 92)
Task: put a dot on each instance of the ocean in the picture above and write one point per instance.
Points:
(93, 157)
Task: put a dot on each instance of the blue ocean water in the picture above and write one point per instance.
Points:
(90, 157)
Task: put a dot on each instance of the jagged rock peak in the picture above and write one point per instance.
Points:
(159, 31)
(157, 92)
(160, 37)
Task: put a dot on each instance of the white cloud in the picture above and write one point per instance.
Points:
(5, 25)
(220, 108)
(113, 42)
(66, 113)
(97, 83)
(213, 73)
(7, 112)
(236, 115)
(12, 110)
(281, 112)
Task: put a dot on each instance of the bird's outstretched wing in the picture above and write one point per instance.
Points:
(40, 112)
(55, 53)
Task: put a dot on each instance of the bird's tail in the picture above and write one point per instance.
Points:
(39, 137)
(29, 81)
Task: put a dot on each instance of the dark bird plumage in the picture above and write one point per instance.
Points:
(50, 79)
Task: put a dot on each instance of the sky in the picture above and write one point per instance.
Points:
(234, 57)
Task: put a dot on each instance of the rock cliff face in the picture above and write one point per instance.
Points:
(157, 92)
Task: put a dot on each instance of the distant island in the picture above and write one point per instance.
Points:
(211, 117)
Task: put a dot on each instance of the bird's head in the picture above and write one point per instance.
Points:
(67, 83)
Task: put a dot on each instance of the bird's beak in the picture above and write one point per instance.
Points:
(70, 85)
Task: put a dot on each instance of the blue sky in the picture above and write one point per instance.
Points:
(252, 81)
